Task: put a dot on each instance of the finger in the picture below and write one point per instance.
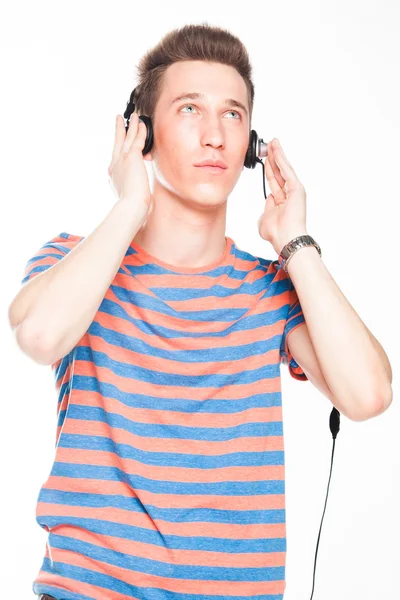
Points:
(279, 145)
(120, 136)
(276, 189)
(275, 168)
(132, 132)
(280, 152)
(290, 176)
(119, 139)
(138, 142)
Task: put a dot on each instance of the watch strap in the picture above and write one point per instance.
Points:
(295, 244)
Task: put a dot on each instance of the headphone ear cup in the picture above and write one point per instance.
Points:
(251, 154)
(149, 134)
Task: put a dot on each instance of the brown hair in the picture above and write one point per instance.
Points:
(190, 42)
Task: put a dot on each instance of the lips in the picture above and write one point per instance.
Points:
(211, 169)
(211, 163)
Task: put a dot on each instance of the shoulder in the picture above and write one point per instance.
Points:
(64, 242)
(250, 262)
(269, 267)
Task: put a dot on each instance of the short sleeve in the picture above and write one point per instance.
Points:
(294, 319)
(49, 254)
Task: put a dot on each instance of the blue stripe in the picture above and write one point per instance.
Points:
(145, 593)
(171, 515)
(218, 488)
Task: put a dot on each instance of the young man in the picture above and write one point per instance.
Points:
(166, 341)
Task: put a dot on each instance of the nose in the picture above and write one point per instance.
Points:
(213, 134)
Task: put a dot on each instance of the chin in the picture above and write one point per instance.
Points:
(210, 200)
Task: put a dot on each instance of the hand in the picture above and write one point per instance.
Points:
(284, 216)
(127, 171)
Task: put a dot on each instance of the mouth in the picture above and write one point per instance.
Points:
(211, 169)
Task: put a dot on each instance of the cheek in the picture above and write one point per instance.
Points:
(175, 154)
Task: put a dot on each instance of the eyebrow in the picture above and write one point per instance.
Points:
(194, 95)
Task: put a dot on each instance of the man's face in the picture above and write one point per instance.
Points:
(207, 128)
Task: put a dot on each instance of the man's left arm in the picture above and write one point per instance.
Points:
(352, 362)
(338, 352)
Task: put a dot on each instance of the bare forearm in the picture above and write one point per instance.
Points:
(352, 361)
(60, 303)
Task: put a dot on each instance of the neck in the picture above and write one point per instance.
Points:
(184, 233)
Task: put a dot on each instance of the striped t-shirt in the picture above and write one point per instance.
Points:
(168, 481)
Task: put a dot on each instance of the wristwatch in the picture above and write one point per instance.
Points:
(289, 249)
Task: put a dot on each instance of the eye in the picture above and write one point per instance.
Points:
(236, 113)
(186, 105)
(231, 111)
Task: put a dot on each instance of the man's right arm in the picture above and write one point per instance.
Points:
(52, 311)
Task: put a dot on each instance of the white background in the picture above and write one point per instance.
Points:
(326, 84)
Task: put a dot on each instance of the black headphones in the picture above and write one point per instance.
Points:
(257, 148)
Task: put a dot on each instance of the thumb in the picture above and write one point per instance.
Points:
(269, 203)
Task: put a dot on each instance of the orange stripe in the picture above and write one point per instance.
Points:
(167, 473)
(182, 586)
(128, 385)
(175, 419)
(172, 556)
(251, 531)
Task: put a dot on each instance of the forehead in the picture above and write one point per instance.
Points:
(216, 81)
